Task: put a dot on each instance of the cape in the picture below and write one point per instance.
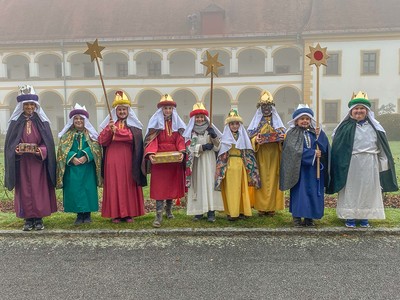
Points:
(13, 138)
(292, 154)
(342, 147)
(137, 150)
(64, 147)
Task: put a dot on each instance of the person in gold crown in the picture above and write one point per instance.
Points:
(236, 168)
(267, 133)
(122, 140)
(362, 165)
(164, 134)
(202, 141)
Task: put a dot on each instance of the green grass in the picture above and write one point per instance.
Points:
(283, 219)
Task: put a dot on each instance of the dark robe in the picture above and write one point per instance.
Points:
(342, 147)
(33, 177)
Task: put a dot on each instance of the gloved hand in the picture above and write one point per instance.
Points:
(211, 132)
(207, 146)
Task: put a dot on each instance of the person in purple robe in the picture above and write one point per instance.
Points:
(30, 161)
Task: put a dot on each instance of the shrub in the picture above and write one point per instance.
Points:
(391, 123)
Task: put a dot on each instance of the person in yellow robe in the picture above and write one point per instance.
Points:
(236, 168)
(267, 133)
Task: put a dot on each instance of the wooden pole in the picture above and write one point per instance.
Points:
(211, 93)
(317, 119)
(104, 88)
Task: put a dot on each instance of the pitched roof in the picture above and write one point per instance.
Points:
(46, 20)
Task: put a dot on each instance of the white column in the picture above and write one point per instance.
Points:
(132, 63)
(3, 69)
(96, 71)
(67, 65)
(165, 63)
(234, 62)
(301, 63)
(198, 69)
(101, 112)
(269, 61)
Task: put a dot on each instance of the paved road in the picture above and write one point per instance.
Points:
(162, 267)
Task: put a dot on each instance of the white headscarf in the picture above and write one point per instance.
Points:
(131, 121)
(370, 115)
(276, 119)
(19, 109)
(92, 131)
(227, 140)
(188, 131)
(157, 121)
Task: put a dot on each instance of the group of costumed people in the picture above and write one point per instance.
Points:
(235, 171)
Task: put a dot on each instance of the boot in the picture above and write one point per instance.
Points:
(211, 216)
(168, 209)
(79, 219)
(87, 218)
(159, 211)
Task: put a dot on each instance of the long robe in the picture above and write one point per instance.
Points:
(234, 186)
(79, 182)
(300, 168)
(201, 196)
(362, 167)
(123, 181)
(268, 155)
(167, 180)
(32, 176)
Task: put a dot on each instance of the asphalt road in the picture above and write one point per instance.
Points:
(154, 267)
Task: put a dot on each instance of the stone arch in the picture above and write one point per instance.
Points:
(182, 64)
(49, 65)
(51, 102)
(84, 98)
(222, 100)
(81, 66)
(38, 56)
(185, 99)
(115, 64)
(286, 99)
(224, 57)
(251, 61)
(17, 66)
(287, 60)
(148, 63)
(147, 100)
(247, 103)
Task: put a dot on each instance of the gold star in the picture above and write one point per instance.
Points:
(318, 56)
(94, 50)
(212, 64)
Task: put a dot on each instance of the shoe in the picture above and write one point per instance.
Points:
(243, 217)
(262, 213)
(270, 214)
(116, 220)
(232, 219)
(309, 222)
(79, 219)
(29, 224)
(297, 222)
(365, 224)
(211, 216)
(350, 223)
(197, 218)
(128, 219)
(158, 219)
(168, 209)
(39, 224)
(87, 218)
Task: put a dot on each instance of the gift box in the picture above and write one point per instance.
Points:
(167, 157)
(27, 147)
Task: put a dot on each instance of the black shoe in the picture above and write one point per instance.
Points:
(88, 219)
(243, 217)
(211, 216)
(39, 224)
(309, 222)
(231, 218)
(29, 224)
(297, 222)
(79, 219)
(197, 218)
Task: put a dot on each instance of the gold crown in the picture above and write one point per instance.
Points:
(233, 116)
(265, 98)
(198, 106)
(359, 95)
(166, 100)
(120, 99)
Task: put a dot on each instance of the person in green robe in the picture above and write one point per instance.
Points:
(79, 165)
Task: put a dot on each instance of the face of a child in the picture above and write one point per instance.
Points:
(199, 119)
(79, 122)
(29, 108)
(303, 121)
(359, 112)
(122, 112)
(167, 110)
(266, 109)
(234, 126)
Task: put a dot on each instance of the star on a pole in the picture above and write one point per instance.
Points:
(212, 64)
(318, 56)
(94, 50)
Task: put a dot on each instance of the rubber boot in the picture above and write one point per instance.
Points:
(168, 209)
(159, 211)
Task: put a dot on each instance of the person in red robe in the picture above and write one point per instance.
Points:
(122, 139)
(30, 161)
(164, 134)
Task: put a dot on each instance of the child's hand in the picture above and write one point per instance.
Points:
(317, 153)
